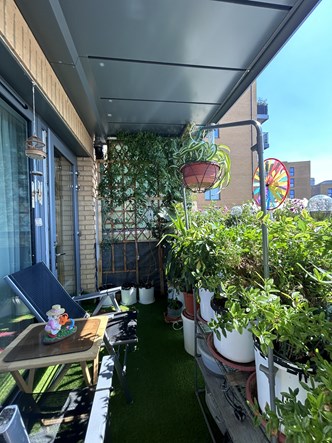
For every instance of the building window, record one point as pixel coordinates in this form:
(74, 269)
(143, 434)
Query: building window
(292, 193)
(291, 182)
(291, 171)
(329, 192)
(212, 194)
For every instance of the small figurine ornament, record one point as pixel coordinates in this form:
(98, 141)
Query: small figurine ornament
(58, 326)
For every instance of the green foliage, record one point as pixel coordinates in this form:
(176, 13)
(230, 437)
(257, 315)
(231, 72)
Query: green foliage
(174, 303)
(290, 312)
(139, 176)
(297, 246)
(311, 421)
(195, 148)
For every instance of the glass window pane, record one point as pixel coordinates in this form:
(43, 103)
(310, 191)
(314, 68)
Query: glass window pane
(15, 216)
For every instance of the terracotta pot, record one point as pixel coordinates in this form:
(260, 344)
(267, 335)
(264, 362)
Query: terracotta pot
(200, 176)
(189, 303)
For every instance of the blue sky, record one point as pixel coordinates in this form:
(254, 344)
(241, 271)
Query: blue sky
(297, 85)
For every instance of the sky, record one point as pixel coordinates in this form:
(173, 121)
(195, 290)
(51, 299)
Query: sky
(297, 85)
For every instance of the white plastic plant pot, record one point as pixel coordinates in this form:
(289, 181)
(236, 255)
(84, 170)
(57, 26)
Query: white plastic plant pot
(188, 333)
(236, 347)
(209, 362)
(12, 429)
(206, 311)
(174, 293)
(146, 295)
(128, 296)
(287, 376)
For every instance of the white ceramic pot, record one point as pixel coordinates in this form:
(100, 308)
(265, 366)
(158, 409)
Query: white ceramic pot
(287, 376)
(235, 346)
(146, 295)
(206, 311)
(128, 296)
(188, 333)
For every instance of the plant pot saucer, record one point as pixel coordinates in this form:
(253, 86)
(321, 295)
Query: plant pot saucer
(251, 396)
(200, 318)
(245, 367)
(170, 319)
(176, 322)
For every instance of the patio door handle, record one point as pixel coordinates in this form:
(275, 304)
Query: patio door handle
(60, 253)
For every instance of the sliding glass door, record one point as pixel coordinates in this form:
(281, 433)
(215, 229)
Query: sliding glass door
(64, 226)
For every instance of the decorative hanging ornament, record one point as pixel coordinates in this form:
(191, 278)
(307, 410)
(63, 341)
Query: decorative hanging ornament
(34, 146)
(320, 207)
(276, 181)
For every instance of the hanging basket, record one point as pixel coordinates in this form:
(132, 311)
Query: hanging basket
(200, 176)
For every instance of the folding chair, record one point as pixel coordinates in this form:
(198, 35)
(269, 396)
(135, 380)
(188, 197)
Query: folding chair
(38, 288)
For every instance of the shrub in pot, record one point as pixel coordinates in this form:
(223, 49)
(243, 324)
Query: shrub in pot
(308, 421)
(293, 329)
(146, 292)
(128, 294)
(174, 307)
(232, 338)
(179, 262)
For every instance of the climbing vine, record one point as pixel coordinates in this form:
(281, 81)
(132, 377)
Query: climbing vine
(138, 180)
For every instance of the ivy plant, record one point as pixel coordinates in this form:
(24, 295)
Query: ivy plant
(139, 176)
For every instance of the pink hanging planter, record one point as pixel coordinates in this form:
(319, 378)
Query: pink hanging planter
(200, 176)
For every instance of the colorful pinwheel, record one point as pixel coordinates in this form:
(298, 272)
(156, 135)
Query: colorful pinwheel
(276, 179)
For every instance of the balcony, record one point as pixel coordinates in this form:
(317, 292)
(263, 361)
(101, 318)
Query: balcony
(262, 111)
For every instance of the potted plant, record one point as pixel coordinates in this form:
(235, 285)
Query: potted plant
(146, 292)
(203, 164)
(179, 260)
(174, 308)
(287, 324)
(308, 421)
(233, 342)
(128, 294)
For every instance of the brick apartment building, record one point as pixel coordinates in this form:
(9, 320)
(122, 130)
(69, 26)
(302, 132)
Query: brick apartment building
(244, 161)
(299, 177)
(324, 187)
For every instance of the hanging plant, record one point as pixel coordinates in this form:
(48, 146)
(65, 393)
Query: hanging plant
(204, 165)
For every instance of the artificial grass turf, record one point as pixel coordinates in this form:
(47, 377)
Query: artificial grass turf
(161, 378)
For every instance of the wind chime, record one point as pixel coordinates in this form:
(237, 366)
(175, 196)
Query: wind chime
(34, 146)
(34, 149)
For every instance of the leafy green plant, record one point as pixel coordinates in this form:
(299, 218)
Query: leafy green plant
(293, 330)
(311, 421)
(174, 303)
(138, 177)
(195, 147)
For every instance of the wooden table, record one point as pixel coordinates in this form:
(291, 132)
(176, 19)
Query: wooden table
(28, 352)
